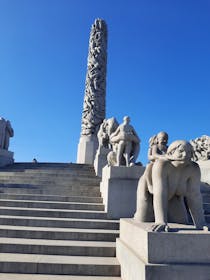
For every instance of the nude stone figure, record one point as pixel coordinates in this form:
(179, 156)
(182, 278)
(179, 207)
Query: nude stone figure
(174, 176)
(128, 143)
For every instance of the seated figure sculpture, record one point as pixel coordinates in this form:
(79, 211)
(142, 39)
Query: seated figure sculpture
(172, 176)
(126, 143)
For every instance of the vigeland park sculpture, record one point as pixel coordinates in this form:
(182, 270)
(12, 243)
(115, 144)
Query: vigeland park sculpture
(95, 93)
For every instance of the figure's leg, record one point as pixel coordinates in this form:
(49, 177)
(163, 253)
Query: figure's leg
(127, 153)
(144, 204)
(120, 149)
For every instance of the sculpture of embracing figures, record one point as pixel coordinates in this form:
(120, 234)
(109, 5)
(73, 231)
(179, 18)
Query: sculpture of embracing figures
(167, 180)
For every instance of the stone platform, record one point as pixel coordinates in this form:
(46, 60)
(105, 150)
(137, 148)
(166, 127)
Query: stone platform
(6, 157)
(182, 253)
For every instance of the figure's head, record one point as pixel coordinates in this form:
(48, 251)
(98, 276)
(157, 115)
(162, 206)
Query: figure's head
(180, 150)
(162, 137)
(126, 119)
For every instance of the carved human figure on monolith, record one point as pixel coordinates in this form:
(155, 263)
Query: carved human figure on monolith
(174, 176)
(127, 142)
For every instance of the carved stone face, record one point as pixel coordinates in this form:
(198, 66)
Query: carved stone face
(180, 150)
(162, 137)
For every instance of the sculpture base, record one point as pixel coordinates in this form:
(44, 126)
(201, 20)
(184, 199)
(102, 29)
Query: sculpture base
(205, 171)
(87, 149)
(118, 188)
(6, 157)
(100, 160)
(180, 254)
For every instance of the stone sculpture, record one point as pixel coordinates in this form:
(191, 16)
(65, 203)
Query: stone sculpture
(106, 129)
(126, 144)
(201, 148)
(6, 131)
(172, 178)
(95, 87)
(158, 146)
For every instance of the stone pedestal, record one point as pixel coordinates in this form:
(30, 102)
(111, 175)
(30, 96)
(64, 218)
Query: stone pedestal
(180, 254)
(100, 160)
(87, 149)
(205, 171)
(118, 188)
(6, 157)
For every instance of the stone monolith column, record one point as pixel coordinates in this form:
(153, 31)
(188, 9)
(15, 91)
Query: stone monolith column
(95, 93)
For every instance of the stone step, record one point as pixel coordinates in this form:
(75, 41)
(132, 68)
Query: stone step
(54, 213)
(58, 233)
(46, 173)
(49, 264)
(61, 188)
(206, 198)
(47, 165)
(30, 189)
(61, 223)
(13, 276)
(49, 181)
(52, 205)
(58, 247)
(51, 198)
(206, 207)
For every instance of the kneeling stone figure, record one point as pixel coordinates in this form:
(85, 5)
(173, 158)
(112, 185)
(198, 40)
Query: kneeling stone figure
(162, 188)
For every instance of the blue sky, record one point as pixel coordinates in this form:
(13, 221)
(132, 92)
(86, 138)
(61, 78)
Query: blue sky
(158, 70)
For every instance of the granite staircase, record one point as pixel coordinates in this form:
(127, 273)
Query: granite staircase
(53, 224)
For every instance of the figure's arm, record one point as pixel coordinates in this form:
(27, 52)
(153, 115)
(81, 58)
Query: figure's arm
(153, 154)
(160, 191)
(115, 132)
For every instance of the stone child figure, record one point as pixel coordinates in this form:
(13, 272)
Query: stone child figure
(128, 143)
(173, 176)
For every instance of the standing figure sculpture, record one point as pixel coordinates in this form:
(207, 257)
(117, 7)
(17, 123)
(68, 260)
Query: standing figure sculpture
(6, 131)
(127, 142)
(172, 177)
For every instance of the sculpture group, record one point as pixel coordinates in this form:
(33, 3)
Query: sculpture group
(122, 140)
(170, 187)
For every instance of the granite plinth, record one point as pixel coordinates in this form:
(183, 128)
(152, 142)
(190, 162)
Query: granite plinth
(205, 171)
(6, 157)
(182, 253)
(87, 149)
(118, 188)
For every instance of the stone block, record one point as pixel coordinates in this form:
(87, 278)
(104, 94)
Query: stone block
(6, 157)
(180, 254)
(87, 149)
(118, 188)
(205, 171)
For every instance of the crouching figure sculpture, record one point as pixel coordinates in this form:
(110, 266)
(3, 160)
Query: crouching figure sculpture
(162, 189)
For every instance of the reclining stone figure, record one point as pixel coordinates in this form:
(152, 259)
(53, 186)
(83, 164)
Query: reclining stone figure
(161, 190)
